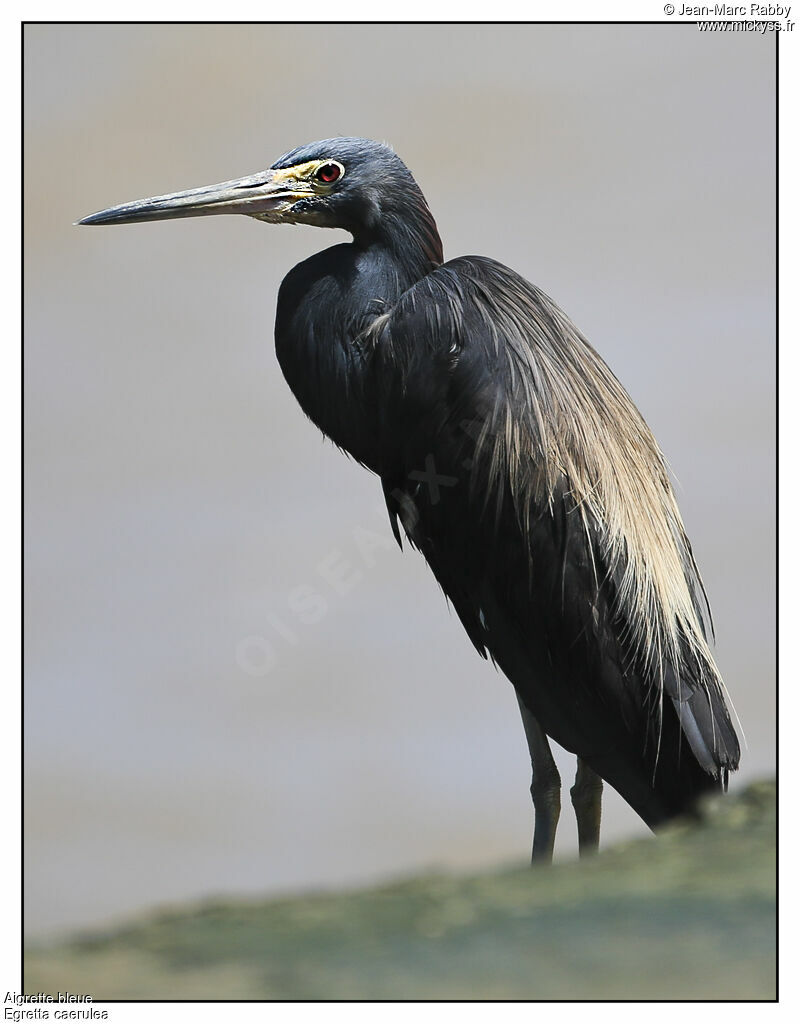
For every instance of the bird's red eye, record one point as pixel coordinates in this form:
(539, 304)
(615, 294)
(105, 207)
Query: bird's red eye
(328, 173)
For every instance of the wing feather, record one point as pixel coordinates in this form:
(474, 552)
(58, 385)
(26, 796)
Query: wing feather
(561, 529)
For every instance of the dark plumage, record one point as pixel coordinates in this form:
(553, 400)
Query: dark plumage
(514, 460)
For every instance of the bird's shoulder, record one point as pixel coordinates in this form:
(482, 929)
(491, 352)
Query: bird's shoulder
(468, 292)
(473, 271)
(487, 322)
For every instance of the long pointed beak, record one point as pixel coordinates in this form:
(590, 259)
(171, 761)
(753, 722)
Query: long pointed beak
(259, 195)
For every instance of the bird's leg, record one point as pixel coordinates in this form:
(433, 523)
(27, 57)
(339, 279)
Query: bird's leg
(587, 795)
(545, 788)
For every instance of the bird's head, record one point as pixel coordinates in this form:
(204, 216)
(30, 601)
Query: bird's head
(340, 183)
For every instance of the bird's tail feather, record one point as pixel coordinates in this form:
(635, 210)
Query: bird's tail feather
(707, 726)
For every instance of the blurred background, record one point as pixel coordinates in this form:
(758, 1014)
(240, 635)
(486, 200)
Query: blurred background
(189, 730)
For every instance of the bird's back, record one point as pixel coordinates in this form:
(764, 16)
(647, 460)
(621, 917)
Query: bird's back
(528, 479)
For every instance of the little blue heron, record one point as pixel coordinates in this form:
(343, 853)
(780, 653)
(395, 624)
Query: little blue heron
(515, 461)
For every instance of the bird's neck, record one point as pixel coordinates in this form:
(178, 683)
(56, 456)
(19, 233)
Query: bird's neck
(407, 242)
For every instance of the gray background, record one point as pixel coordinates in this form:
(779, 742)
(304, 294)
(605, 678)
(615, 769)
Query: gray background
(188, 731)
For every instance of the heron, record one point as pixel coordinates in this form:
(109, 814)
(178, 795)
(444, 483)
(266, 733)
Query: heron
(513, 459)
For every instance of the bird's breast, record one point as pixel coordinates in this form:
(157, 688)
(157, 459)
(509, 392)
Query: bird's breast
(325, 307)
(331, 383)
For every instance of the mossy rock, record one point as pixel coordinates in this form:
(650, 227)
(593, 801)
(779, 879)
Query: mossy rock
(687, 915)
